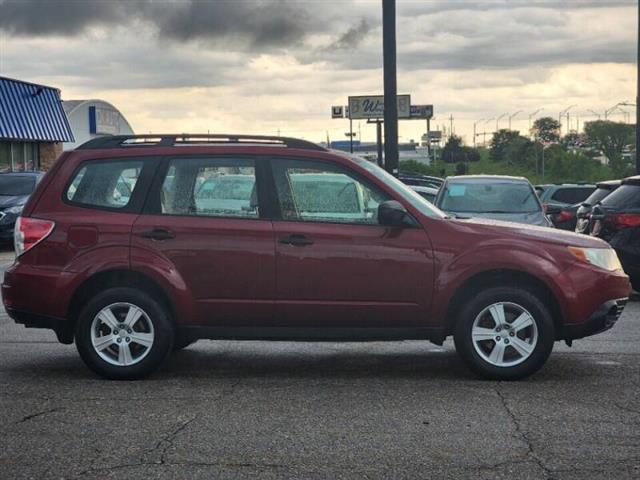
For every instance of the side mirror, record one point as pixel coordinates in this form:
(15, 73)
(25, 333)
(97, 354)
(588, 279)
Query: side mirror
(392, 214)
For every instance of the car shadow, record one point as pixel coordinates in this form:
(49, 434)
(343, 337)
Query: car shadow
(208, 361)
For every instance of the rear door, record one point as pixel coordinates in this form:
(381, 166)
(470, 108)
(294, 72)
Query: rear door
(204, 216)
(336, 266)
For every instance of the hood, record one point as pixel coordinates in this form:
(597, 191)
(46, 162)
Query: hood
(12, 200)
(532, 232)
(529, 218)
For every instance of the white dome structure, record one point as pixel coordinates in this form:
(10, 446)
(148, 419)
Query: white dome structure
(93, 118)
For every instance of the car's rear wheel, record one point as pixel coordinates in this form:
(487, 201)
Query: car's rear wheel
(124, 334)
(504, 333)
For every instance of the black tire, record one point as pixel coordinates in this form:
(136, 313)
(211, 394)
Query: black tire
(162, 338)
(514, 295)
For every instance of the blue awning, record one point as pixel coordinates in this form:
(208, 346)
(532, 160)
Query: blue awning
(32, 112)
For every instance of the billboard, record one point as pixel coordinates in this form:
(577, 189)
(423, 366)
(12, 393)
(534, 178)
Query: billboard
(337, 112)
(372, 106)
(421, 111)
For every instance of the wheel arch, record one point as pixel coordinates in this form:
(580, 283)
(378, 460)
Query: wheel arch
(502, 277)
(117, 278)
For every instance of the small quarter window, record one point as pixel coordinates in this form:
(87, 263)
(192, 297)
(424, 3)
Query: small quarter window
(108, 184)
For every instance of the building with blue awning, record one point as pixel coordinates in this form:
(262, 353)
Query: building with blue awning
(33, 125)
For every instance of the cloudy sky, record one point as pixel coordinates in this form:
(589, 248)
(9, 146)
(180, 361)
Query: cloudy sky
(278, 65)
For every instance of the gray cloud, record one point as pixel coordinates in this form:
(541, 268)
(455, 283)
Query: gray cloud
(256, 25)
(352, 37)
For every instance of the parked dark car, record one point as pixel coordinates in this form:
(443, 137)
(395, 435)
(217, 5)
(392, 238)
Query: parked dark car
(564, 194)
(15, 189)
(616, 219)
(238, 237)
(419, 180)
(583, 213)
(499, 197)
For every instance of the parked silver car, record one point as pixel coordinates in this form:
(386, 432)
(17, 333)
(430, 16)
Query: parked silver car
(511, 199)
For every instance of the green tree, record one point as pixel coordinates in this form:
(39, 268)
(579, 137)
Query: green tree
(611, 138)
(546, 130)
(452, 151)
(509, 146)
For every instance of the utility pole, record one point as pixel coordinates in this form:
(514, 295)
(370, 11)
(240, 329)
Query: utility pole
(390, 86)
(451, 125)
(474, 131)
(638, 97)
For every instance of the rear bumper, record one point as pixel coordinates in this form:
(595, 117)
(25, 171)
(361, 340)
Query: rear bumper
(603, 318)
(60, 326)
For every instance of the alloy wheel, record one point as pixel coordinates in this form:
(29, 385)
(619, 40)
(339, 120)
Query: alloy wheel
(504, 334)
(122, 334)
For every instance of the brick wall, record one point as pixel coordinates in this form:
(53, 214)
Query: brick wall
(49, 153)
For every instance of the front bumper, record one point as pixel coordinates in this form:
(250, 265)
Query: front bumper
(604, 318)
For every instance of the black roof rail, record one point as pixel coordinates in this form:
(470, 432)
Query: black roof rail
(185, 139)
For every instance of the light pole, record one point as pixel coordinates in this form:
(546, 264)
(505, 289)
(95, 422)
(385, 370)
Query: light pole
(531, 115)
(609, 111)
(500, 118)
(390, 86)
(511, 117)
(566, 110)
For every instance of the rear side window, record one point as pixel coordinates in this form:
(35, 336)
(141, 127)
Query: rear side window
(625, 198)
(107, 184)
(572, 195)
(216, 187)
(597, 196)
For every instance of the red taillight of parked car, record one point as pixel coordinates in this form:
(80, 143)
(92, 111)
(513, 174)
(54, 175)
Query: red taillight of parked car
(564, 216)
(29, 232)
(624, 220)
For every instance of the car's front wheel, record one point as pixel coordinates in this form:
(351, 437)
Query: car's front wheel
(124, 334)
(504, 333)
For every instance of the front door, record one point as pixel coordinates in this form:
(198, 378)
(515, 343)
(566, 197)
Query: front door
(207, 223)
(335, 265)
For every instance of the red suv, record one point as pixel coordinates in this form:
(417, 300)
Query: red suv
(136, 246)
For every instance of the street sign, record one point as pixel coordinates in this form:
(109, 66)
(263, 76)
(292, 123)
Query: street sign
(421, 111)
(337, 112)
(372, 106)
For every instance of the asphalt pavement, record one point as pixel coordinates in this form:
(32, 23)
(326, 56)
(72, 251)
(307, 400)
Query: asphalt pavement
(228, 410)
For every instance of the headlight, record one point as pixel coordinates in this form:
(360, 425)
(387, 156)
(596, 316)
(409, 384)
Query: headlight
(16, 210)
(605, 258)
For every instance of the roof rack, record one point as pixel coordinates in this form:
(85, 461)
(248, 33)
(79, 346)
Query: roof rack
(188, 139)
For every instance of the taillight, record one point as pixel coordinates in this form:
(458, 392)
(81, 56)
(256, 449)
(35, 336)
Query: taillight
(624, 220)
(564, 216)
(29, 232)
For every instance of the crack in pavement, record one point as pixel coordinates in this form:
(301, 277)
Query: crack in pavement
(26, 418)
(523, 435)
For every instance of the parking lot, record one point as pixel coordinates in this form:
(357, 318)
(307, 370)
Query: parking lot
(320, 410)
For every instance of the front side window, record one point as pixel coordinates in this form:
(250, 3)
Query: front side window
(317, 192)
(220, 187)
(108, 184)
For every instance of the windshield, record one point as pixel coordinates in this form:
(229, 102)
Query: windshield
(489, 196)
(13, 186)
(419, 203)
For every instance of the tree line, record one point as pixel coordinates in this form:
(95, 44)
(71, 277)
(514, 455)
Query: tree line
(545, 155)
